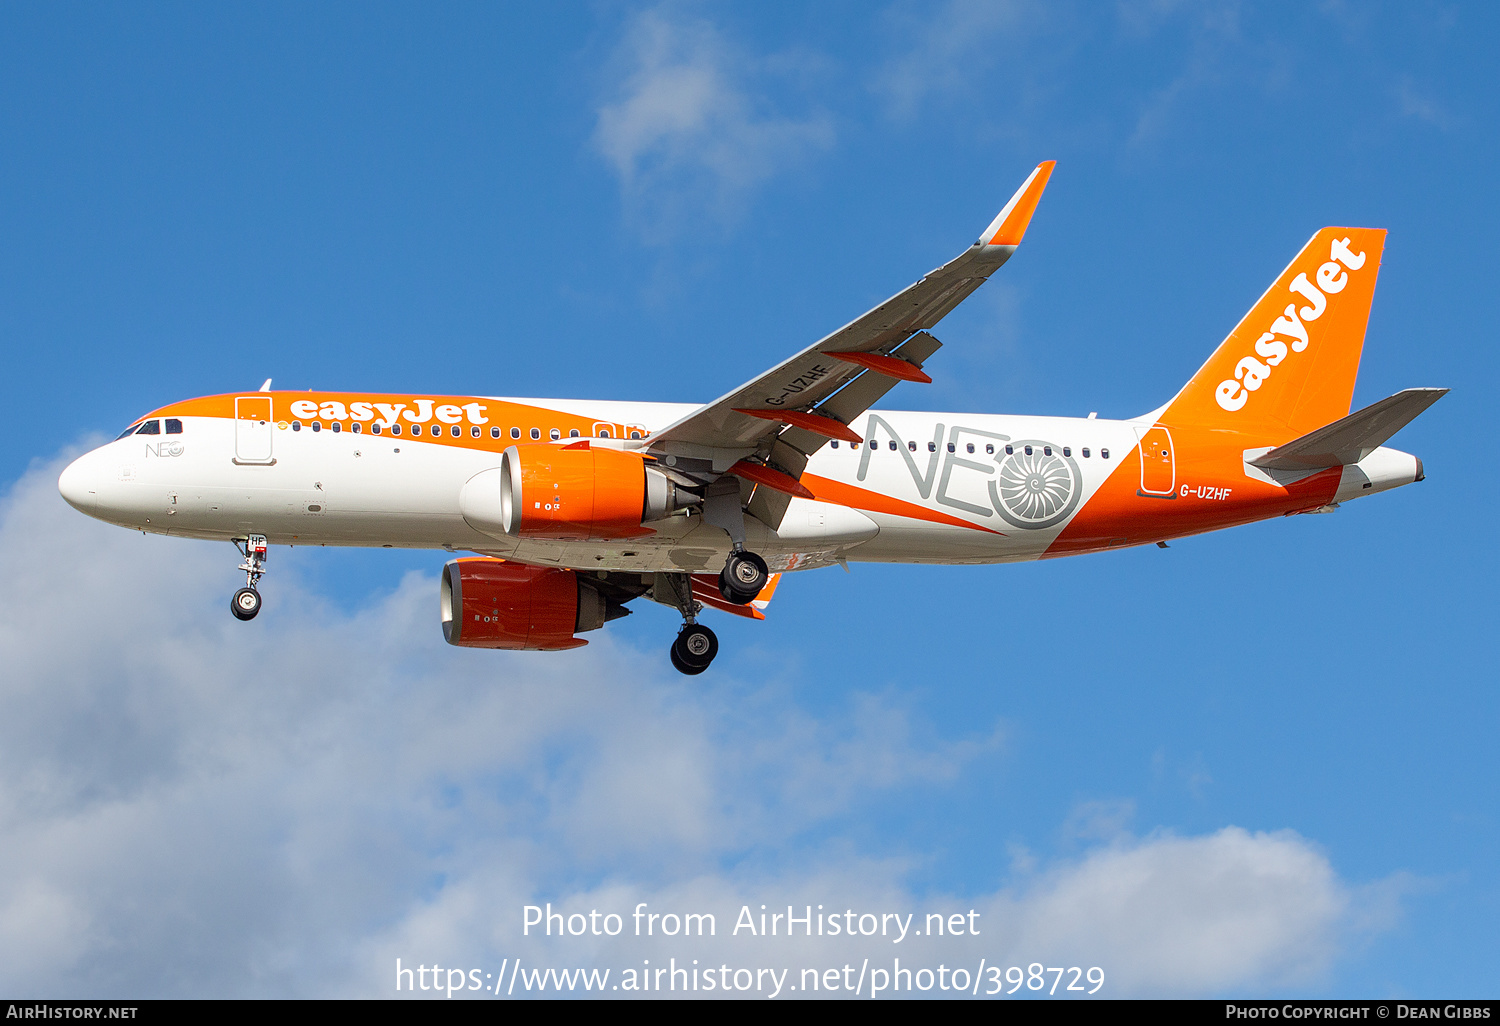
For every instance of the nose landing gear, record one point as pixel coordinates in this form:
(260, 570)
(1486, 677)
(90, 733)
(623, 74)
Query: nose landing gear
(246, 602)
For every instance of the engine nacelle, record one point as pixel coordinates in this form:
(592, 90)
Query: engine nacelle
(492, 603)
(572, 492)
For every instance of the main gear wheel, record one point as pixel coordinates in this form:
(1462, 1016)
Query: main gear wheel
(694, 649)
(744, 576)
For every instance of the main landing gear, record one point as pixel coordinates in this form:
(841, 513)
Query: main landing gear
(246, 601)
(696, 645)
(744, 573)
(694, 649)
(744, 576)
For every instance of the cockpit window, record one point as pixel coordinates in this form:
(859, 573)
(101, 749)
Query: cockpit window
(151, 427)
(174, 426)
(126, 433)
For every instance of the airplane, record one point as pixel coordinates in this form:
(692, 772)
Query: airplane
(573, 508)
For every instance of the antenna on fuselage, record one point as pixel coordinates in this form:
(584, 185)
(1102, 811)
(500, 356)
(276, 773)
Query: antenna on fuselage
(265, 387)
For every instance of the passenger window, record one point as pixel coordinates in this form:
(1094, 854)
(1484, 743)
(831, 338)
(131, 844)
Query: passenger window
(297, 425)
(514, 432)
(374, 428)
(874, 444)
(952, 447)
(355, 427)
(554, 434)
(605, 434)
(912, 446)
(932, 447)
(573, 433)
(989, 450)
(893, 445)
(1027, 450)
(1010, 450)
(1046, 450)
(317, 426)
(969, 447)
(1104, 454)
(174, 426)
(1085, 452)
(834, 443)
(151, 427)
(1067, 451)
(336, 427)
(536, 433)
(635, 434)
(456, 431)
(474, 432)
(395, 429)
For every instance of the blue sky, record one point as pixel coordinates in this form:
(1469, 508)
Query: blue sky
(1261, 761)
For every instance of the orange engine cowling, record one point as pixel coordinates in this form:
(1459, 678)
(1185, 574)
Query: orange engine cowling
(579, 492)
(492, 603)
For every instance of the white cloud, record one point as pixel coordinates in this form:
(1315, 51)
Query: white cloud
(690, 123)
(1415, 102)
(1174, 915)
(945, 50)
(1213, 54)
(195, 806)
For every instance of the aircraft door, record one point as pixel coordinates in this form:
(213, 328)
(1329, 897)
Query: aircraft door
(252, 429)
(1158, 464)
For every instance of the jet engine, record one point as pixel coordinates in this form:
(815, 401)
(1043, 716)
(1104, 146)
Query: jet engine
(492, 603)
(572, 492)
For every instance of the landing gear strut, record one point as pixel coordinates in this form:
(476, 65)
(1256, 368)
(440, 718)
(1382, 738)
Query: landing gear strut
(246, 601)
(744, 573)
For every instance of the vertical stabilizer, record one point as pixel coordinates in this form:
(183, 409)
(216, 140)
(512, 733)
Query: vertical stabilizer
(1290, 364)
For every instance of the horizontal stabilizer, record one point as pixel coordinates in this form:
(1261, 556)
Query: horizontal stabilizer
(1350, 439)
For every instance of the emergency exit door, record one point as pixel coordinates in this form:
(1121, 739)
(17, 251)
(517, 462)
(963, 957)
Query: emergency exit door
(252, 429)
(1158, 466)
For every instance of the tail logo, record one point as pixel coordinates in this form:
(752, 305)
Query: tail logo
(1290, 328)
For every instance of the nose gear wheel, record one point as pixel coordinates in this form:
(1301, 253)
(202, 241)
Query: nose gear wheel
(245, 604)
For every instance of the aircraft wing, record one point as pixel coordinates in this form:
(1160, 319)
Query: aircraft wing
(788, 413)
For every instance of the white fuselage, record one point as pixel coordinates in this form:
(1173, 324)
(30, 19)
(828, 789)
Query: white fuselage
(327, 488)
(926, 481)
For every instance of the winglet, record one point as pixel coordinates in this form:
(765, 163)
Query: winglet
(1009, 226)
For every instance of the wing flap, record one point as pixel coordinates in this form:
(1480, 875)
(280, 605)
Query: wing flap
(706, 590)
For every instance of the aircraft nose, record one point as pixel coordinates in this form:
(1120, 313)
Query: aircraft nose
(77, 484)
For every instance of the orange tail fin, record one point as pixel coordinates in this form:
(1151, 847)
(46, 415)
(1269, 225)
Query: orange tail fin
(1290, 365)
